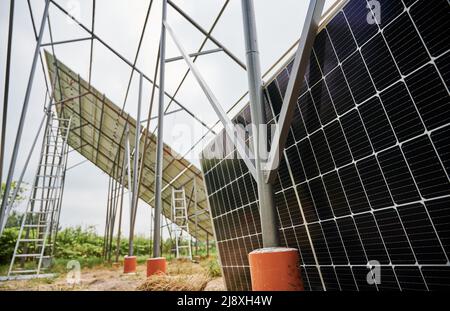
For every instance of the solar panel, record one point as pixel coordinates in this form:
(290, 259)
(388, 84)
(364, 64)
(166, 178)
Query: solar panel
(365, 174)
(98, 134)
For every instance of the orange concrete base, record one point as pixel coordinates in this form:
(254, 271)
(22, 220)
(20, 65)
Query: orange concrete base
(156, 266)
(275, 269)
(129, 264)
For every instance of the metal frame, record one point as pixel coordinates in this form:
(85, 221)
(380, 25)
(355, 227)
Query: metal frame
(265, 192)
(23, 114)
(6, 94)
(160, 144)
(293, 90)
(230, 129)
(252, 161)
(173, 59)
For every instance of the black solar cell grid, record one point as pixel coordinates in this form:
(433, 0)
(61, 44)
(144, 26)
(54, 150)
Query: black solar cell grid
(367, 164)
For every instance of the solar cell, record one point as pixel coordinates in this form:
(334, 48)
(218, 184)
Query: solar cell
(366, 174)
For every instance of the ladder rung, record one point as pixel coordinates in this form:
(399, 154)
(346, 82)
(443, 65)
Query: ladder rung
(35, 226)
(46, 187)
(31, 240)
(23, 271)
(28, 255)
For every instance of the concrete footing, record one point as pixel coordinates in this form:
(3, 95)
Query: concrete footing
(275, 269)
(156, 266)
(129, 264)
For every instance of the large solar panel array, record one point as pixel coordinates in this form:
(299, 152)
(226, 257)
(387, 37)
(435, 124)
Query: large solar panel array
(98, 134)
(365, 174)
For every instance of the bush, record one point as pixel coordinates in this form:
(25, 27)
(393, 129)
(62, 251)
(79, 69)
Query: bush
(85, 245)
(8, 242)
(214, 269)
(79, 243)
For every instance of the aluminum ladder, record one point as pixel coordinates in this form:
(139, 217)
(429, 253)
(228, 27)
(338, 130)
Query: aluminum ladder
(35, 243)
(180, 224)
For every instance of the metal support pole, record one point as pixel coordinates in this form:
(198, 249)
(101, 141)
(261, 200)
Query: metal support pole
(122, 190)
(105, 235)
(136, 160)
(196, 215)
(22, 174)
(6, 91)
(24, 112)
(265, 191)
(160, 143)
(207, 245)
(127, 154)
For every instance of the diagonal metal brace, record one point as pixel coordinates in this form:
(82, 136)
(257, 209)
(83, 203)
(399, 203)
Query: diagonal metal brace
(302, 56)
(230, 128)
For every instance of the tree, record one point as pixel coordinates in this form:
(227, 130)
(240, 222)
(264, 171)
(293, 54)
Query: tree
(14, 217)
(20, 193)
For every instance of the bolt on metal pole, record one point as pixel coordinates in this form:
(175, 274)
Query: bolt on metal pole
(24, 111)
(160, 143)
(265, 193)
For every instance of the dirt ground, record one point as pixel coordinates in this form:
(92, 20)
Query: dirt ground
(108, 279)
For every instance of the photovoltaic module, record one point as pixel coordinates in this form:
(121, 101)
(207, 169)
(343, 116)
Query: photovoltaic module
(365, 172)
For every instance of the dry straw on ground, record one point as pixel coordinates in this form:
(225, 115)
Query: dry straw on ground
(195, 282)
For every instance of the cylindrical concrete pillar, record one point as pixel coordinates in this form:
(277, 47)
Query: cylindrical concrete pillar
(275, 269)
(129, 264)
(156, 266)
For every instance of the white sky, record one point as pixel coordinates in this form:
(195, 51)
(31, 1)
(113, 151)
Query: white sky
(119, 23)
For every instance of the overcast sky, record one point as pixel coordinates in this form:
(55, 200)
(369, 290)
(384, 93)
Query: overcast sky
(119, 23)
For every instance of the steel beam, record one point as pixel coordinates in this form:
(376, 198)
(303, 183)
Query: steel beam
(204, 32)
(205, 40)
(267, 211)
(23, 115)
(230, 129)
(166, 114)
(136, 157)
(6, 90)
(127, 154)
(122, 190)
(173, 59)
(121, 57)
(72, 98)
(22, 174)
(293, 90)
(160, 137)
(91, 53)
(65, 41)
